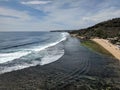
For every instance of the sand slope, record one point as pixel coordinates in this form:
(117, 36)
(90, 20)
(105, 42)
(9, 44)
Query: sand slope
(113, 49)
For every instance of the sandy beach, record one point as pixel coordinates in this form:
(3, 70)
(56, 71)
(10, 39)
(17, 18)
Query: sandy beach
(113, 49)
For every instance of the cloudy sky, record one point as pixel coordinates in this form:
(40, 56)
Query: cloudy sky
(44, 15)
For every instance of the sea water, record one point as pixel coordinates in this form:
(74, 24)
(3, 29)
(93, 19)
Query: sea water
(20, 50)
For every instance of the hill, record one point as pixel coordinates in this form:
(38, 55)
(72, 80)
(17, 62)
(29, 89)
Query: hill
(106, 29)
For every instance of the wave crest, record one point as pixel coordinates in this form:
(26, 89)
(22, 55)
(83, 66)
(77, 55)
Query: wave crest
(32, 56)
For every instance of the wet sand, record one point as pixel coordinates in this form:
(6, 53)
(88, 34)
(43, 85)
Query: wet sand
(113, 49)
(78, 69)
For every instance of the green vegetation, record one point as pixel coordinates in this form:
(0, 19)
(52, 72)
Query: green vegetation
(96, 47)
(106, 29)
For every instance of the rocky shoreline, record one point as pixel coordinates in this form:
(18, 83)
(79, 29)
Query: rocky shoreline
(78, 69)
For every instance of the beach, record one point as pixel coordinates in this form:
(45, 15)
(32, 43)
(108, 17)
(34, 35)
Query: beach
(78, 69)
(113, 49)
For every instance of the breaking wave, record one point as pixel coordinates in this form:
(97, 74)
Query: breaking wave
(35, 55)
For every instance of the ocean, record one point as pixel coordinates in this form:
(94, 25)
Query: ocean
(20, 50)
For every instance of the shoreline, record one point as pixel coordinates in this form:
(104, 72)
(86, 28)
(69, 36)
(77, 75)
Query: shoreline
(92, 45)
(78, 69)
(113, 49)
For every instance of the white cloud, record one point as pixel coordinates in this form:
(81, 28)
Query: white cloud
(36, 2)
(21, 15)
(66, 18)
(9, 23)
(59, 15)
(103, 15)
(79, 17)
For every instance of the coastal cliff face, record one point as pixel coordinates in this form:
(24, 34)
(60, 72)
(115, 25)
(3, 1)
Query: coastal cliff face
(106, 29)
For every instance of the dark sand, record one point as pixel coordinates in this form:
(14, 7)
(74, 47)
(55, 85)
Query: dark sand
(78, 69)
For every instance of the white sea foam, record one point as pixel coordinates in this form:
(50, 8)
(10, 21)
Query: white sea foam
(9, 69)
(46, 59)
(5, 57)
(63, 38)
(46, 56)
(52, 57)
